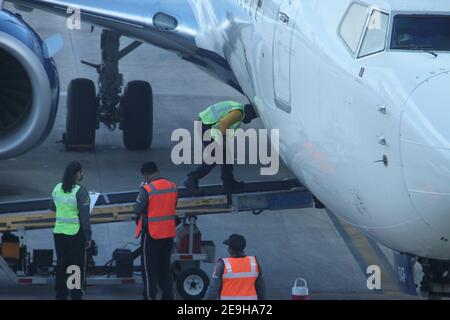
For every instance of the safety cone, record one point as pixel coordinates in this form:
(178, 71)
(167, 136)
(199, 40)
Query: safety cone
(300, 292)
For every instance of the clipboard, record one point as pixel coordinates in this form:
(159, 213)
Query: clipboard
(94, 197)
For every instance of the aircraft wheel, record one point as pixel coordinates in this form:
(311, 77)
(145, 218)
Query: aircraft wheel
(137, 115)
(192, 284)
(81, 121)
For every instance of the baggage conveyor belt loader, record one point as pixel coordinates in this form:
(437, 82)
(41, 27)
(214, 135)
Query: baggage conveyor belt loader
(189, 251)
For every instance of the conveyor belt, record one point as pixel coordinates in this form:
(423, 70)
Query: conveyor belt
(118, 207)
(130, 196)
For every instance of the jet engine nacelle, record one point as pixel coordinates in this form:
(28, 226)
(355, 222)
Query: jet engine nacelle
(29, 87)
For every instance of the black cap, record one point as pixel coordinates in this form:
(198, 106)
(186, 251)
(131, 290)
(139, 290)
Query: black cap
(149, 168)
(236, 242)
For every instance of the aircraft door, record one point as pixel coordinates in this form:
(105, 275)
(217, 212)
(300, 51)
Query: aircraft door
(282, 54)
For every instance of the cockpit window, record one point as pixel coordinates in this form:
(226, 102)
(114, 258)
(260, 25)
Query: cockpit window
(376, 33)
(421, 32)
(352, 26)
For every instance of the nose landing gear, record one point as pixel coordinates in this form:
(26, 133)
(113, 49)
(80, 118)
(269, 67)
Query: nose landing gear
(131, 111)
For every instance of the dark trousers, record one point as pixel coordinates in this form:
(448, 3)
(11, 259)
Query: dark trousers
(70, 250)
(204, 169)
(155, 264)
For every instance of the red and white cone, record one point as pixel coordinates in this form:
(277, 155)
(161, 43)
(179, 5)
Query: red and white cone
(300, 292)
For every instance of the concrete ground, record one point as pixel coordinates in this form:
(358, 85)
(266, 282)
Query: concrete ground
(289, 244)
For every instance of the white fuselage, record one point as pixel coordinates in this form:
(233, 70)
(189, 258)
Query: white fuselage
(334, 132)
(363, 124)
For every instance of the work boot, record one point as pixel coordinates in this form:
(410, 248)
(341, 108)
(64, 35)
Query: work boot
(233, 185)
(191, 183)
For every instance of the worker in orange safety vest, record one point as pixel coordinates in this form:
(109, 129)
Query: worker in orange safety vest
(238, 277)
(155, 210)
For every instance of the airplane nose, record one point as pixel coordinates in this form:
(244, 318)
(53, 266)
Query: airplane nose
(425, 152)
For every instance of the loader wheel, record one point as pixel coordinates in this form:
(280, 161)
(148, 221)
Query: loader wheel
(137, 115)
(81, 121)
(192, 284)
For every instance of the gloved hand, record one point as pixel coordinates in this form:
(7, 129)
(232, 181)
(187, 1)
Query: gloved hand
(137, 218)
(217, 136)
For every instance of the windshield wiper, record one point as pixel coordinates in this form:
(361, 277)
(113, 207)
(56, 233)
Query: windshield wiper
(412, 46)
(424, 49)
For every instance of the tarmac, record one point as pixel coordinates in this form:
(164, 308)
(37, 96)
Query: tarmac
(289, 244)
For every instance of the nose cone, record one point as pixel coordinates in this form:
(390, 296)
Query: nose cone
(425, 152)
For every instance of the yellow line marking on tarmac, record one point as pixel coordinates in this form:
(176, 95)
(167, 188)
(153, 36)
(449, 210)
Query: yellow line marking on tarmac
(369, 256)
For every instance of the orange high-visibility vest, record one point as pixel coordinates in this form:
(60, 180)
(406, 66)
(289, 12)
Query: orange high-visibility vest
(161, 209)
(239, 278)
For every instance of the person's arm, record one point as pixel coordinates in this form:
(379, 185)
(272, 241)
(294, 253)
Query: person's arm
(215, 286)
(83, 202)
(232, 118)
(141, 203)
(260, 285)
(52, 206)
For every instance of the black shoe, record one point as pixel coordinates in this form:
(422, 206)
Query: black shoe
(233, 185)
(191, 183)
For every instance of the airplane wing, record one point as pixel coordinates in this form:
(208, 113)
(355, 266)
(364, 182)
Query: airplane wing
(175, 25)
(169, 24)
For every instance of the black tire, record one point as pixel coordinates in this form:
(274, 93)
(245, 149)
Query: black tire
(192, 284)
(137, 115)
(81, 121)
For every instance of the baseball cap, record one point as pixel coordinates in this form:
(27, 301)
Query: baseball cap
(236, 242)
(149, 168)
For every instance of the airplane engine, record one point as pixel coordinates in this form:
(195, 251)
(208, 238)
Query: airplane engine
(29, 87)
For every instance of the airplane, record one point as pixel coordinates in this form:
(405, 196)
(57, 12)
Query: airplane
(358, 90)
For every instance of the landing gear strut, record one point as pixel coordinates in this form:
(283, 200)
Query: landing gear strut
(132, 110)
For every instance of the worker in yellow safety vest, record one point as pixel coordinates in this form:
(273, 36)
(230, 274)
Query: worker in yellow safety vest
(72, 231)
(238, 277)
(220, 117)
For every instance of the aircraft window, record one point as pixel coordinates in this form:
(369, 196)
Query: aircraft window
(353, 24)
(375, 38)
(421, 32)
